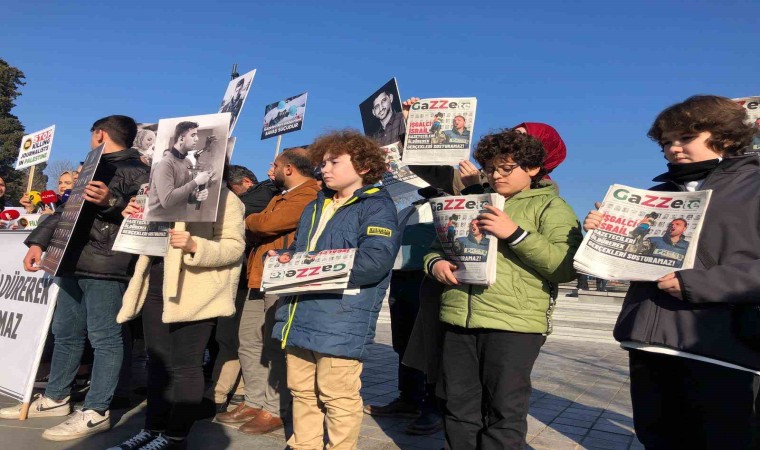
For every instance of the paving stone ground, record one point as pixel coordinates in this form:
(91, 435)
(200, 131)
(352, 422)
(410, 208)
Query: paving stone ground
(580, 400)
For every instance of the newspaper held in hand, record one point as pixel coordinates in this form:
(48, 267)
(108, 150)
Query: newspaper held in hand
(439, 131)
(473, 250)
(752, 105)
(399, 181)
(644, 235)
(325, 271)
(140, 237)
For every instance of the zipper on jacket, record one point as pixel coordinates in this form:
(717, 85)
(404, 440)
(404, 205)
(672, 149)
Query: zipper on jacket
(469, 306)
(553, 293)
(291, 315)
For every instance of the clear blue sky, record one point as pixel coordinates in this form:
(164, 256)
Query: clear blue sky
(597, 71)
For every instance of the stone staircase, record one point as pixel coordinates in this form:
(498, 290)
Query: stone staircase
(587, 315)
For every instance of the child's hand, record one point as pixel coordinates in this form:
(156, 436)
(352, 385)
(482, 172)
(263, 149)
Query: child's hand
(497, 222)
(593, 218)
(442, 271)
(132, 207)
(468, 173)
(671, 284)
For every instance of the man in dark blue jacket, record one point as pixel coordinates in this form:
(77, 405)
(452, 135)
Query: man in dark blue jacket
(325, 335)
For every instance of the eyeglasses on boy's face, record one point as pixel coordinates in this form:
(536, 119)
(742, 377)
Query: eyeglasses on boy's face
(503, 170)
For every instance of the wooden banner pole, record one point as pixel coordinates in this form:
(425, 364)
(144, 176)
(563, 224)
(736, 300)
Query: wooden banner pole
(31, 179)
(24, 408)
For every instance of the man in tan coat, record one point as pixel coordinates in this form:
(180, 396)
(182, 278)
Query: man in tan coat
(267, 398)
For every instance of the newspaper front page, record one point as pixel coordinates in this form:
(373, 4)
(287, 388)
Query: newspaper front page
(140, 237)
(752, 105)
(439, 131)
(473, 250)
(400, 182)
(644, 235)
(325, 271)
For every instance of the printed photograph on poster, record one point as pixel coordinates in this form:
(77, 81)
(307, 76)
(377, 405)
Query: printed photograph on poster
(235, 95)
(186, 175)
(53, 260)
(752, 105)
(400, 182)
(439, 131)
(284, 116)
(145, 141)
(381, 115)
(35, 148)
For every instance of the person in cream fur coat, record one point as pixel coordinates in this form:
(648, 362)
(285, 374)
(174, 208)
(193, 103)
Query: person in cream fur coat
(180, 297)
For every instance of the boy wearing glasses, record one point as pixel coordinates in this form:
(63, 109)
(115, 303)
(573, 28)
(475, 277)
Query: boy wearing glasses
(494, 333)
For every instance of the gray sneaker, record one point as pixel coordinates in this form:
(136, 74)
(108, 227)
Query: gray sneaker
(41, 407)
(79, 424)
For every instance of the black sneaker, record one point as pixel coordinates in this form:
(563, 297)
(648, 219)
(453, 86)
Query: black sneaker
(396, 408)
(427, 423)
(164, 443)
(137, 441)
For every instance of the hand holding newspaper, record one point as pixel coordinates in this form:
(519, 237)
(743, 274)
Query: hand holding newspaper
(473, 250)
(325, 271)
(644, 235)
(139, 236)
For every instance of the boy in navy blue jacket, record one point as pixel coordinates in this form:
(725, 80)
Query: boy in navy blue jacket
(326, 334)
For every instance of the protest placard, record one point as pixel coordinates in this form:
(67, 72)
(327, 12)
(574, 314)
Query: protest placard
(381, 115)
(186, 174)
(752, 105)
(27, 301)
(235, 95)
(55, 255)
(439, 131)
(140, 237)
(35, 148)
(284, 116)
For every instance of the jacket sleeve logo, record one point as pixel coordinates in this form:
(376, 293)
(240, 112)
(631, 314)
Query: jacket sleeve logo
(379, 231)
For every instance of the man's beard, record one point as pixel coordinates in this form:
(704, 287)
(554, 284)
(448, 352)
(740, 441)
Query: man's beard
(278, 183)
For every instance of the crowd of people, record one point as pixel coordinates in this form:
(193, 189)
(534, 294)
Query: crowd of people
(466, 352)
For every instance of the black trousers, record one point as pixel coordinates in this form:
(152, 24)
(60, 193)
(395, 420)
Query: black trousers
(684, 403)
(404, 302)
(175, 369)
(486, 377)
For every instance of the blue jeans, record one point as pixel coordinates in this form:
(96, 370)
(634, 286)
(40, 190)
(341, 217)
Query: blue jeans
(86, 309)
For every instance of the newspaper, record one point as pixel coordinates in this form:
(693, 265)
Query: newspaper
(439, 131)
(473, 250)
(138, 236)
(752, 105)
(644, 235)
(399, 181)
(325, 271)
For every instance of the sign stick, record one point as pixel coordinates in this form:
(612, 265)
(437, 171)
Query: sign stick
(277, 150)
(24, 408)
(30, 179)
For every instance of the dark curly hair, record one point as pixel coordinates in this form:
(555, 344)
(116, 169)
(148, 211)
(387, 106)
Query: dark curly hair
(722, 117)
(364, 152)
(524, 150)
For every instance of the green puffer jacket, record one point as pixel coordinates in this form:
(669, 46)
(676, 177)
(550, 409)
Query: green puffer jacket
(522, 298)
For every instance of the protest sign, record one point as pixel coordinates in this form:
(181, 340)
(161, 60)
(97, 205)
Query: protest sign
(439, 131)
(55, 255)
(27, 301)
(16, 218)
(138, 236)
(284, 116)
(235, 95)
(35, 148)
(325, 271)
(185, 180)
(752, 105)
(381, 115)
(399, 181)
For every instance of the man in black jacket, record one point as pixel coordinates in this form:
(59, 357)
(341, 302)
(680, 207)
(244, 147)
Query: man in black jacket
(91, 286)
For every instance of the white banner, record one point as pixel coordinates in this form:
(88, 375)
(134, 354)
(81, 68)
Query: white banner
(35, 148)
(27, 301)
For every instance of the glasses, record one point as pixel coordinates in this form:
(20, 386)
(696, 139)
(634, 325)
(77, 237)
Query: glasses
(504, 171)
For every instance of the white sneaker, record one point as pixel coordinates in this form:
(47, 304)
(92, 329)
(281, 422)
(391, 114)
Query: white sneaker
(79, 424)
(137, 441)
(41, 407)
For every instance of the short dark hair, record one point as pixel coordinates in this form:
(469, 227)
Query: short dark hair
(722, 117)
(121, 129)
(523, 149)
(365, 153)
(298, 158)
(237, 173)
(182, 127)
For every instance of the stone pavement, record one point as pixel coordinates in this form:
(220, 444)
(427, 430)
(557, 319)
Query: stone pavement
(580, 400)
